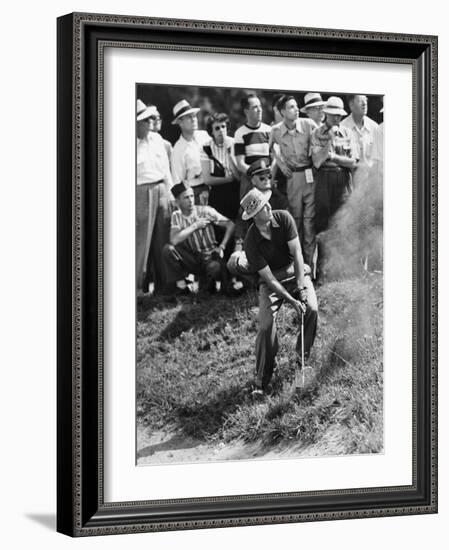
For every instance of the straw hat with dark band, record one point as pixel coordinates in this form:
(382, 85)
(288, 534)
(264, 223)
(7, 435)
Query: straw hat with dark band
(312, 99)
(183, 108)
(334, 106)
(253, 202)
(144, 112)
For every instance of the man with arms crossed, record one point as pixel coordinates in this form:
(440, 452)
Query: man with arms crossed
(273, 251)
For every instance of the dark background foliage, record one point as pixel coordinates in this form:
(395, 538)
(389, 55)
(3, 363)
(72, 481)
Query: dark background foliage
(227, 100)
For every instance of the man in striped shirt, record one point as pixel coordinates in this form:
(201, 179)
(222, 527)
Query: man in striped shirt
(193, 247)
(250, 140)
(251, 143)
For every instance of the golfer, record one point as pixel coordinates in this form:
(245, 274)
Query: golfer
(273, 250)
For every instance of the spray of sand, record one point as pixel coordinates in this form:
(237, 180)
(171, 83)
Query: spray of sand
(353, 244)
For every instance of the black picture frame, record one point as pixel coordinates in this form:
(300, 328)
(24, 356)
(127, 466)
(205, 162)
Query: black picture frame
(81, 510)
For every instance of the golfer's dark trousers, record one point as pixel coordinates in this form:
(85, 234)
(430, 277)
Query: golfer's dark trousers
(267, 344)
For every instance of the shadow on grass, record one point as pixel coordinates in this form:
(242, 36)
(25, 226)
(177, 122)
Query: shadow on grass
(205, 311)
(206, 419)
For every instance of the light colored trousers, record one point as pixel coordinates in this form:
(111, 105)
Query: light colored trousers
(152, 223)
(301, 205)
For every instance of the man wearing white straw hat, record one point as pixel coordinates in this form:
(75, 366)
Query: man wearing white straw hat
(273, 251)
(333, 155)
(186, 155)
(363, 130)
(153, 184)
(313, 107)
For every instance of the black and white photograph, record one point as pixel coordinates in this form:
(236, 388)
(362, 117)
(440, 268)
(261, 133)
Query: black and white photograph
(259, 274)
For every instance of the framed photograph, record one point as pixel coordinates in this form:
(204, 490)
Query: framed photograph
(247, 274)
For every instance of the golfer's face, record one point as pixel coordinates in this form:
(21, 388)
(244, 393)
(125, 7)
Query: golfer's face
(265, 214)
(262, 181)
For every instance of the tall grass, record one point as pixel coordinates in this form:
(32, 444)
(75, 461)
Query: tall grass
(196, 361)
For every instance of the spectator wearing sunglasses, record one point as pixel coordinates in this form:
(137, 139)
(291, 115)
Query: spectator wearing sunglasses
(157, 127)
(260, 175)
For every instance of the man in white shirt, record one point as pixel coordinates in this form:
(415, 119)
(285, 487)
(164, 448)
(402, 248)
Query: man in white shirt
(363, 129)
(152, 190)
(186, 155)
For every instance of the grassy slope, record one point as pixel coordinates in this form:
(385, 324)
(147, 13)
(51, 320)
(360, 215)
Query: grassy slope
(196, 364)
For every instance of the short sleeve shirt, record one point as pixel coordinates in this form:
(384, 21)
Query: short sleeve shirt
(202, 240)
(186, 159)
(253, 143)
(294, 144)
(274, 252)
(342, 144)
(363, 137)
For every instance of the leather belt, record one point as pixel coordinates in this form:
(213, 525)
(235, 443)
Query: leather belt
(300, 168)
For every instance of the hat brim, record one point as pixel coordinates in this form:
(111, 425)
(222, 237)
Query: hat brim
(149, 111)
(266, 198)
(307, 107)
(191, 111)
(335, 111)
(262, 171)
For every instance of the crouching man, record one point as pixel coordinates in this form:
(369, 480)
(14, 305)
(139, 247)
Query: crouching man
(273, 251)
(193, 247)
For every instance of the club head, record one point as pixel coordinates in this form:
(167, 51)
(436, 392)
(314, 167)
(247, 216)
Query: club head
(303, 378)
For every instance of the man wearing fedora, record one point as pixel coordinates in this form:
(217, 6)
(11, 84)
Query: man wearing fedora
(273, 251)
(152, 209)
(334, 157)
(293, 137)
(186, 155)
(313, 107)
(363, 129)
(193, 247)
